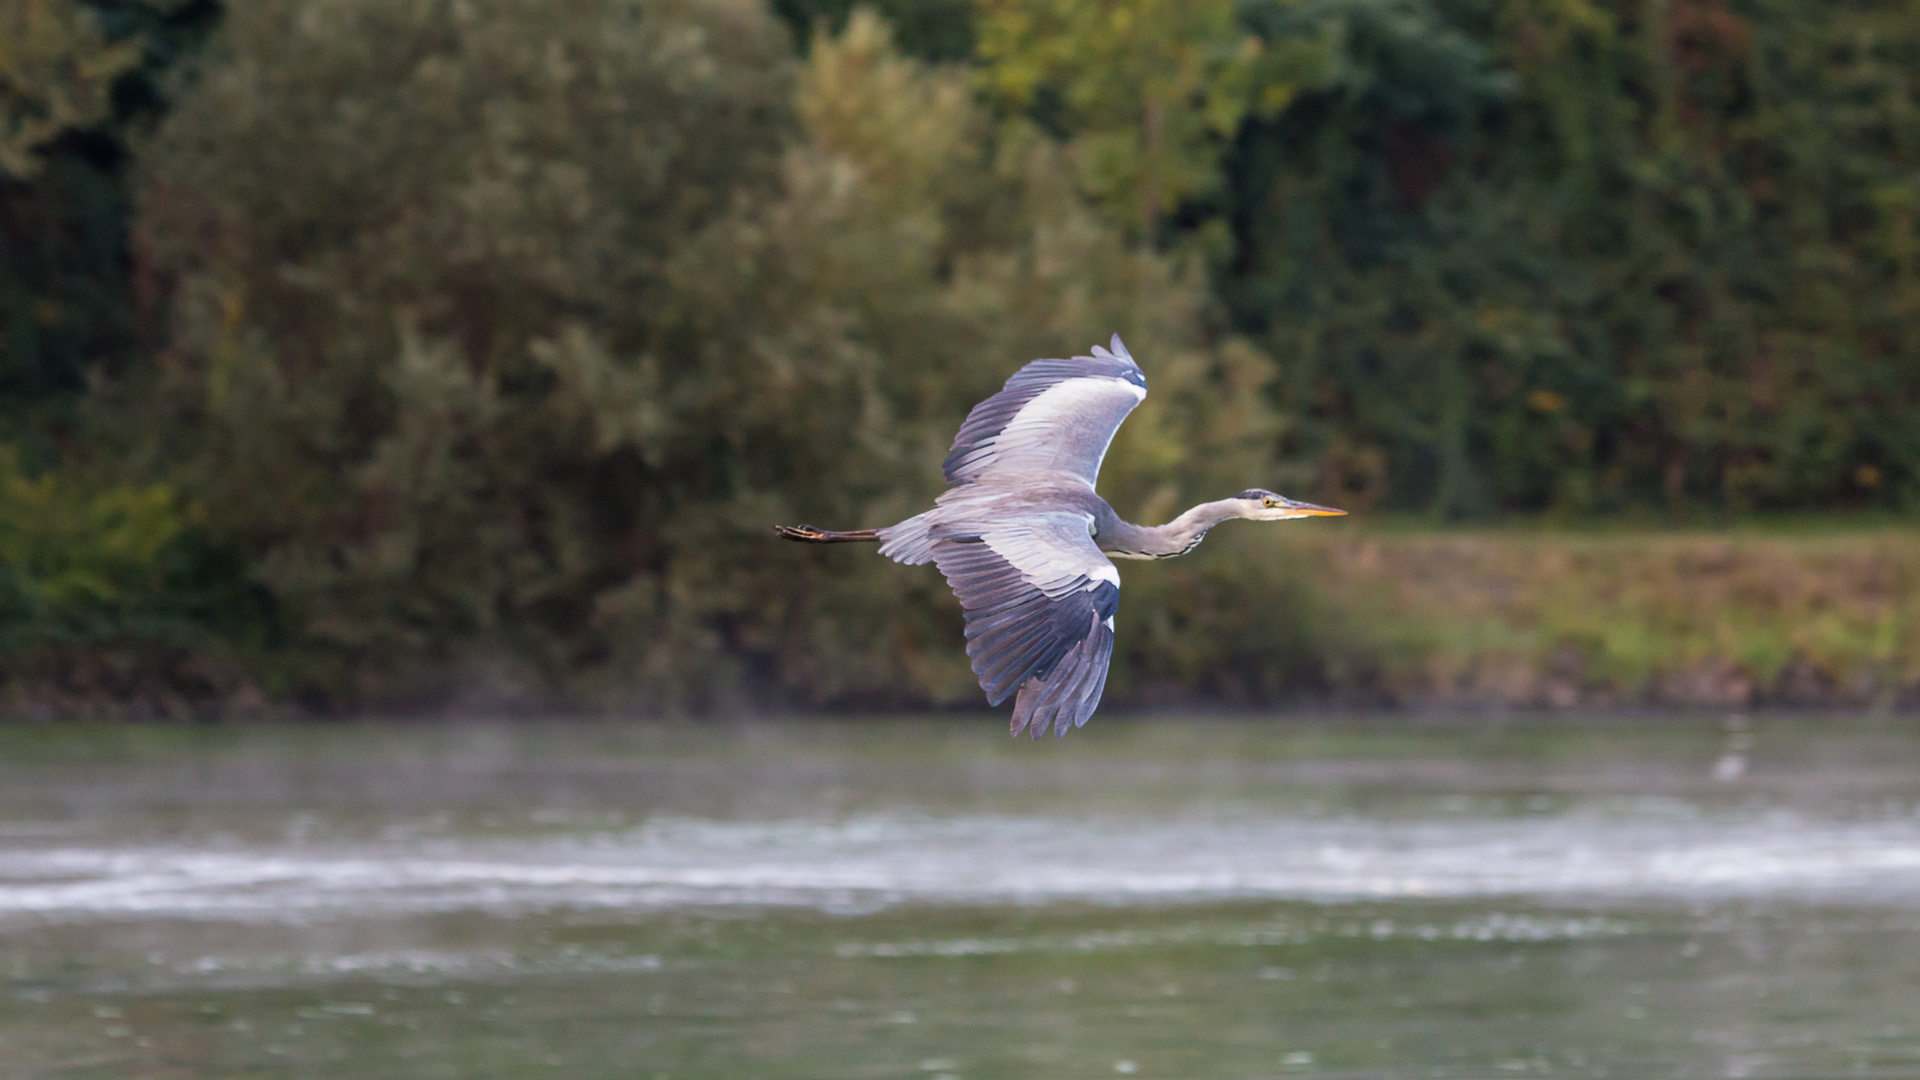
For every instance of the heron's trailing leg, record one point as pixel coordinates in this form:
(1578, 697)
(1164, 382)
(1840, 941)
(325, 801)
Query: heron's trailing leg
(807, 534)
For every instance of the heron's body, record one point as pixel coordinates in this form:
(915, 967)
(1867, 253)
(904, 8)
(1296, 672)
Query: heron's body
(1021, 494)
(1024, 539)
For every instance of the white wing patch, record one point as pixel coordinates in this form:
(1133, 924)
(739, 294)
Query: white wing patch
(1052, 552)
(1052, 415)
(1068, 428)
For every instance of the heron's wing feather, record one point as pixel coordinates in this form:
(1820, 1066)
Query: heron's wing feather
(1057, 415)
(1039, 598)
(1067, 697)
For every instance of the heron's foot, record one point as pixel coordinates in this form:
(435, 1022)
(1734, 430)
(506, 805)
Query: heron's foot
(807, 534)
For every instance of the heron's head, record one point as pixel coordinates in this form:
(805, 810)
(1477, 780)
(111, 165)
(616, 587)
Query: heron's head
(1260, 504)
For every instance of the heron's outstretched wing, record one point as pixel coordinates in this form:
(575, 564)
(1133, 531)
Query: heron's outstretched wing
(1057, 415)
(1039, 598)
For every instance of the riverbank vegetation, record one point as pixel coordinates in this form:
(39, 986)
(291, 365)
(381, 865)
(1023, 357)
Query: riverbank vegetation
(444, 355)
(1538, 619)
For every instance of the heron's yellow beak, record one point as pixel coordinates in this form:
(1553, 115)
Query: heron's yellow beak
(1310, 510)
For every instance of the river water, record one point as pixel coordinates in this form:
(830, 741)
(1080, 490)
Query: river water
(1380, 897)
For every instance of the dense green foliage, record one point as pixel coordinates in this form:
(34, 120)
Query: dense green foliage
(1583, 256)
(437, 351)
(75, 80)
(1521, 255)
(502, 387)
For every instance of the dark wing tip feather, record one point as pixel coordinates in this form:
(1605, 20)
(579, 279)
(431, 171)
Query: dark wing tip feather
(1115, 350)
(1066, 697)
(1020, 638)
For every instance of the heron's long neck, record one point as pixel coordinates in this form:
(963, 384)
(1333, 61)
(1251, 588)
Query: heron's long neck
(1176, 537)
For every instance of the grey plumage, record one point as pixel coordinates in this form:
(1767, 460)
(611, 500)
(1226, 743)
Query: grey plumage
(1023, 538)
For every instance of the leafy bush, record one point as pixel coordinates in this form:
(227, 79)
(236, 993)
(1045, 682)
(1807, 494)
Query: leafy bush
(82, 565)
(114, 603)
(502, 334)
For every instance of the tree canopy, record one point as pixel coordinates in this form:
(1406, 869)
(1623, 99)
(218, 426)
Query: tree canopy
(438, 348)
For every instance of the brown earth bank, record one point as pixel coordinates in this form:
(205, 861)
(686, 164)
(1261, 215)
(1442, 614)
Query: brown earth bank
(128, 683)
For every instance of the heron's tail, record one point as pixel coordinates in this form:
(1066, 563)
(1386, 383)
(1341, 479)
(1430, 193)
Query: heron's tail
(807, 534)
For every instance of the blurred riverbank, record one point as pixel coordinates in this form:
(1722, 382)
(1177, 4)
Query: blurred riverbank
(1294, 617)
(1540, 619)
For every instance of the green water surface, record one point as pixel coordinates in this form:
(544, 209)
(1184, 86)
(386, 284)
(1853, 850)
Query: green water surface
(1702, 978)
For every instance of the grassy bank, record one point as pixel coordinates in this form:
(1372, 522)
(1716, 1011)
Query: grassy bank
(1552, 619)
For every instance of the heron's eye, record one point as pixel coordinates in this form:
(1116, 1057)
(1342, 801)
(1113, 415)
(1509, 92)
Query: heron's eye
(1269, 502)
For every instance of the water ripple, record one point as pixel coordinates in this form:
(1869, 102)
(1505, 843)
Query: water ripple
(866, 862)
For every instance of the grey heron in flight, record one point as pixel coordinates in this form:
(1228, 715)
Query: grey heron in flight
(1023, 539)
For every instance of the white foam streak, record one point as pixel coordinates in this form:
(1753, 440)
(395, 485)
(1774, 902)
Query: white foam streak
(878, 860)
